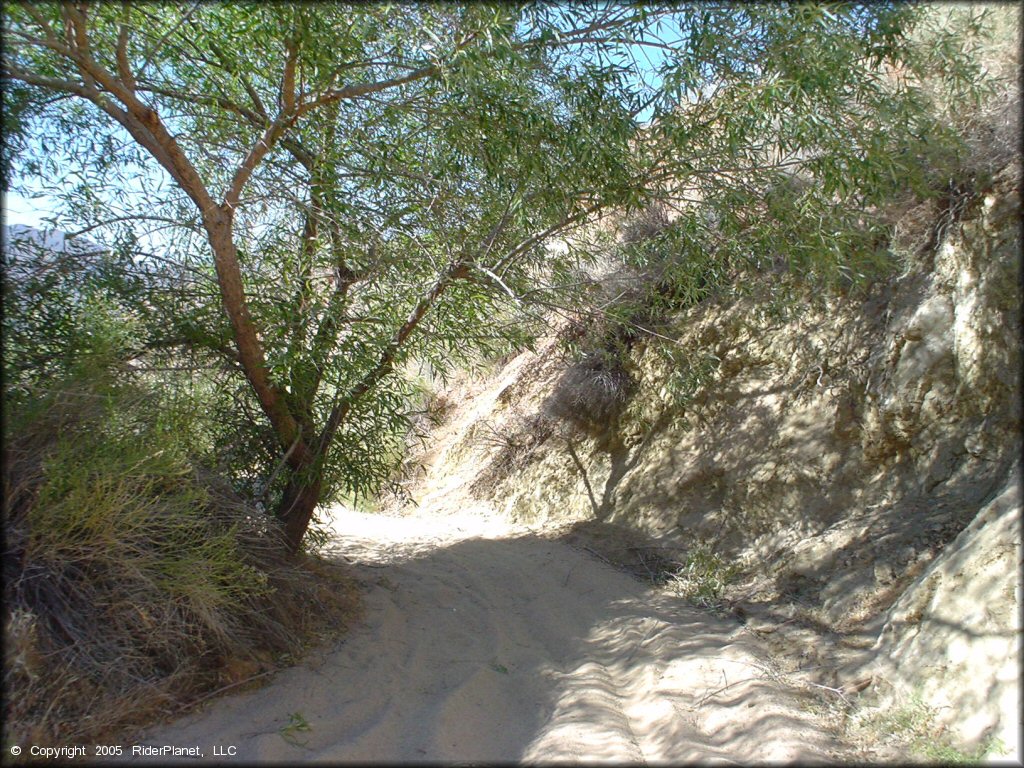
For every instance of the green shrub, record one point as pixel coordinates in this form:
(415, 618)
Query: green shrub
(132, 576)
(703, 576)
(911, 727)
(689, 373)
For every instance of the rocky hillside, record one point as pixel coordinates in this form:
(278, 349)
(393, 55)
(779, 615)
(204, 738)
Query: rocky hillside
(840, 472)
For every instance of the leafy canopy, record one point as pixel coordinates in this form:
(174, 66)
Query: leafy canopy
(315, 195)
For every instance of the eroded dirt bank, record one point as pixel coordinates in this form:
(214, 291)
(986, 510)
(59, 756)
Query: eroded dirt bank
(485, 641)
(841, 470)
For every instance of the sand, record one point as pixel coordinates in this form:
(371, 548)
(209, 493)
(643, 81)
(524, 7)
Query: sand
(485, 641)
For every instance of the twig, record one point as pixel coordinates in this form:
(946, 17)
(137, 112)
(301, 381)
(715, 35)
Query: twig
(725, 687)
(643, 562)
(599, 556)
(567, 575)
(838, 691)
(643, 642)
(211, 694)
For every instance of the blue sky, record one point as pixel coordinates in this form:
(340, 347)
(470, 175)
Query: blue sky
(19, 210)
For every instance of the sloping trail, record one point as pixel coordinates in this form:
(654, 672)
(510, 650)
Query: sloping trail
(487, 642)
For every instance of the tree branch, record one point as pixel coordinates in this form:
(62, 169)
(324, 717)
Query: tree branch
(51, 83)
(455, 270)
(145, 125)
(256, 101)
(164, 38)
(52, 44)
(204, 100)
(529, 242)
(135, 217)
(265, 143)
(274, 131)
(354, 91)
(122, 52)
(287, 105)
(42, 22)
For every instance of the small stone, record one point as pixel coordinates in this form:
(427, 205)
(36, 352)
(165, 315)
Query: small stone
(883, 573)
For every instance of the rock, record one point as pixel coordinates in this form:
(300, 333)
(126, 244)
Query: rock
(954, 636)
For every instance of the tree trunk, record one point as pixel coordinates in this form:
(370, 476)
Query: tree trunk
(301, 495)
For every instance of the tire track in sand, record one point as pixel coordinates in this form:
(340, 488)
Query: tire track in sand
(485, 642)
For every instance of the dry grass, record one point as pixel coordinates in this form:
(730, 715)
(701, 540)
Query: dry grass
(592, 392)
(512, 444)
(136, 584)
(908, 730)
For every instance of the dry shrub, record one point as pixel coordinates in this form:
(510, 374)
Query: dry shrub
(992, 131)
(134, 582)
(993, 135)
(592, 392)
(990, 128)
(645, 224)
(515, 442)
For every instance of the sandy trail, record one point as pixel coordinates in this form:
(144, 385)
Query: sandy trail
(487, 642)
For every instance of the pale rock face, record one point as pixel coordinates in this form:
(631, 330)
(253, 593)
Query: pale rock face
(928, 342)
(954, 634)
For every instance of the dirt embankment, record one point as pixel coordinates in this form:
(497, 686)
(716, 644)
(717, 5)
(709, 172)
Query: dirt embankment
(850, 469)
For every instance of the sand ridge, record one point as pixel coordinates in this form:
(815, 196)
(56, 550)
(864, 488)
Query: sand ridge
(485, 641)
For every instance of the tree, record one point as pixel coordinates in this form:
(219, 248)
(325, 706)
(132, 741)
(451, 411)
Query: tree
(370, 184)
